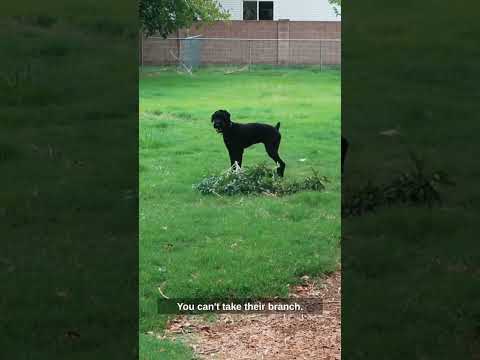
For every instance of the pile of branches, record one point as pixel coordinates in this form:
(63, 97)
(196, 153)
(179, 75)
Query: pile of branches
(415, 187)
(257, 180)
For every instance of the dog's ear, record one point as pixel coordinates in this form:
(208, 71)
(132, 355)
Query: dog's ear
(226, 115)
(217, 114)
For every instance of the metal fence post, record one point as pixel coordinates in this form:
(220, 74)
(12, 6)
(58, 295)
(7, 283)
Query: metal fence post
(290, 48)
(321, 56)
(250, 55)
(141, 50)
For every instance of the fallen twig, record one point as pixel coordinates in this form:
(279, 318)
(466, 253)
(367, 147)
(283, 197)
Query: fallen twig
(162, 294)
(237, 70)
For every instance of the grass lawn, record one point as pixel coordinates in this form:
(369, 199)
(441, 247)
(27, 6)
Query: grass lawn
(203, 246)
(410, 288)
(67, 215)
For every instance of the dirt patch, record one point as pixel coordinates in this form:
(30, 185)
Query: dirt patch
(272, 336)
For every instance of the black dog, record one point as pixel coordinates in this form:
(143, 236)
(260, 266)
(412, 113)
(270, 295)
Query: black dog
(238, 137)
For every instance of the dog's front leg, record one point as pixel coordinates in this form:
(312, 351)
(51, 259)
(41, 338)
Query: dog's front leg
(236, 155)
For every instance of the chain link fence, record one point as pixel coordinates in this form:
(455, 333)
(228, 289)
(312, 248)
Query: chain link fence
(193, 52)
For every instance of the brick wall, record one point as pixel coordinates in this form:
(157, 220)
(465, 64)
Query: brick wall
(271, 42)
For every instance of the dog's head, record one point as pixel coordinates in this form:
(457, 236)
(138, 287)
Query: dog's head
(221, 120)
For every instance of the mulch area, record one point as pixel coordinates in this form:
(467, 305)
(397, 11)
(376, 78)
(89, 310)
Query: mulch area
(269, 336)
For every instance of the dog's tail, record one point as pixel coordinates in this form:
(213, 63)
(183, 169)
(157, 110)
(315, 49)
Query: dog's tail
(277, 126)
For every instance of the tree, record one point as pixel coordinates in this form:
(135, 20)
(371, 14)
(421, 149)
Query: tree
(337, 5)
(166, 16)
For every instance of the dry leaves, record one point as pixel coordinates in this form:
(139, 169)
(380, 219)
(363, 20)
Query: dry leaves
(272, 336)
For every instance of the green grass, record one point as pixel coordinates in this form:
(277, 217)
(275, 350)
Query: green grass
(193, 245)
(69, 230)
(410, 286)
(156, 349)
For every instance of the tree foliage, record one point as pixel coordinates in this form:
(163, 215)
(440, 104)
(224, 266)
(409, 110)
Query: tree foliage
(337, 5)
(166, 16)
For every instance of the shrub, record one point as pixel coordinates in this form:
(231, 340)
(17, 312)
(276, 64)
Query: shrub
(256, 180)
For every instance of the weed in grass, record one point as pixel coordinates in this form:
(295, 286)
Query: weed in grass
(415, 187)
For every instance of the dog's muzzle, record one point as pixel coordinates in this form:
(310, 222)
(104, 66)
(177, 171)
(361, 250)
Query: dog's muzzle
(218, 128)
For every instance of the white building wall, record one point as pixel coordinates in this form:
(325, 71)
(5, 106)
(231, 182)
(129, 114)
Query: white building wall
(234, 7)
(294, 10)
(304, 10)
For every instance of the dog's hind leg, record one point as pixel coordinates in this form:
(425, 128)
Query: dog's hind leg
(272, 151)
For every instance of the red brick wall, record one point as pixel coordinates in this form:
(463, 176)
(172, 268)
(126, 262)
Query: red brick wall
(235, 29)
(315, 30)
(285, 51)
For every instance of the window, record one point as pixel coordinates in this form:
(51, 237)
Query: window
(265, 11)
(249, 10)
(258, 10)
